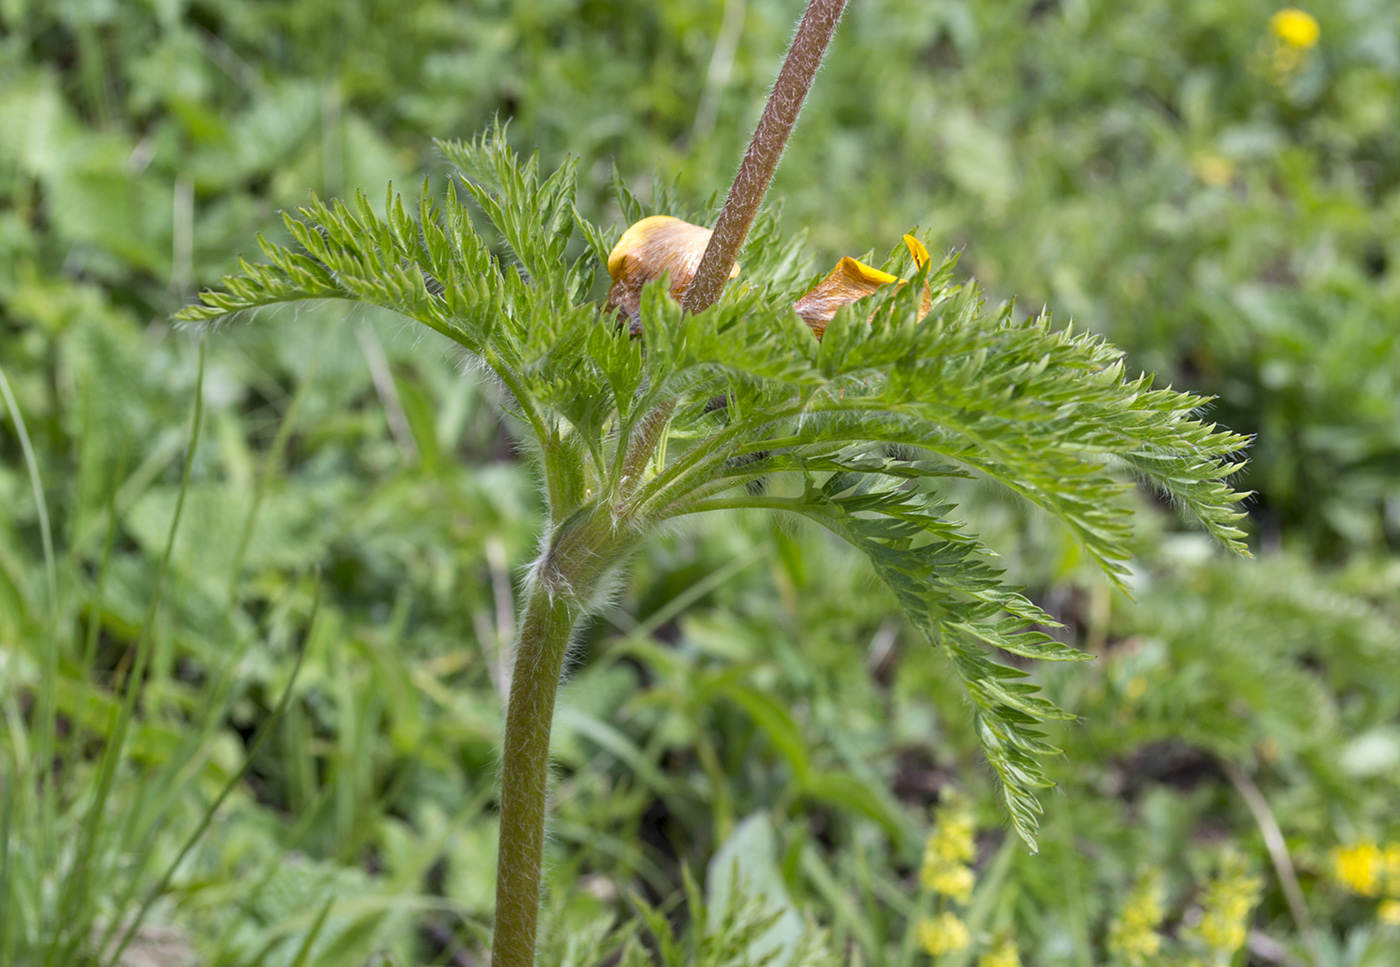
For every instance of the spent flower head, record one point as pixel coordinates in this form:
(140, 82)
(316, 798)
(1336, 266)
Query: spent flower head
(664, 246)
(650, 248)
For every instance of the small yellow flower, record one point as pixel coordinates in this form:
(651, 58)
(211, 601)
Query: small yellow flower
(1295, 28)
(949, 879)
(949, 849)
(943, 934)
(1358, 867)
(1388, 913)
(1229, 898)
(1003, 954)
(1133, 936)
(1214, 170)
(953, 829)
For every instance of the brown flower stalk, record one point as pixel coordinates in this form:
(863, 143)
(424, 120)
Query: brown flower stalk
(769, 139)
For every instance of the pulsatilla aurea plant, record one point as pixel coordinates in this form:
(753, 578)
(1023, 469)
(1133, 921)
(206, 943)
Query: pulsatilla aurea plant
(850, 397)
(909, 385)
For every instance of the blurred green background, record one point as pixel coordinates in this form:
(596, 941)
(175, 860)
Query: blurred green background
(1220, 202)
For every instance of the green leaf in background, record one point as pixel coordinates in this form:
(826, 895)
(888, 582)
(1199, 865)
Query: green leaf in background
(744, 867)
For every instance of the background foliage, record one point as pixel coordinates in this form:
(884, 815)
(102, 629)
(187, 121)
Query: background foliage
(1153, 170)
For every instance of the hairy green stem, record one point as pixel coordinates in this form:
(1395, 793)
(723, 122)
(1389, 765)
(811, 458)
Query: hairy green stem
(682, 475)
(539, 659)
(643, 445)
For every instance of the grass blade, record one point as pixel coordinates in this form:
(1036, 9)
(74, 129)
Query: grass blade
(264, 730)
(305, 951)
(47, 712)
(75, 888)
(7, 936)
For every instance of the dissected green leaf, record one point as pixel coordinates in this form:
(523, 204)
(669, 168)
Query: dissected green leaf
(718, 409)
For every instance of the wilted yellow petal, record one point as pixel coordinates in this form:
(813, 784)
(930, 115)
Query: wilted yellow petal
(648, 250)
(916, 249)
(849, 281)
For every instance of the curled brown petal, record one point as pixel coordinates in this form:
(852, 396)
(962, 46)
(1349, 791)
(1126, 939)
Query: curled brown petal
(849, 281)
(648, 250)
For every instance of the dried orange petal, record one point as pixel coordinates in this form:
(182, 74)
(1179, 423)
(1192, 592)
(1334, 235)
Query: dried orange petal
(849, 281)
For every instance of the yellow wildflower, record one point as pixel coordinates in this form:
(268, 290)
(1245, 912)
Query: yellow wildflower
(949, 849)
(1388, 913)
(1295, 28)
(1229, 898)
(953, 829)
(1358, 867)
(949, 879)
(1132, 937)
(943, 934)
(1003, 954)
(849, 281)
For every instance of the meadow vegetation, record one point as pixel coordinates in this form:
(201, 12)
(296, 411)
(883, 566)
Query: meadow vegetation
(257, 594)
